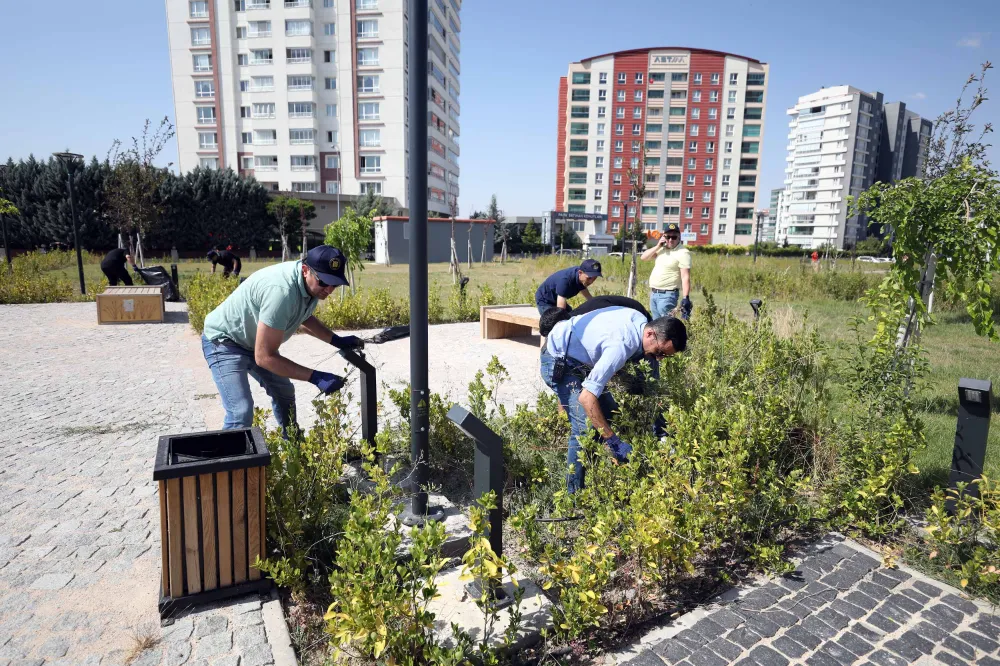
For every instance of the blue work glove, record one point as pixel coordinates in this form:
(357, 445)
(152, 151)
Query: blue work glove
(686, 307)
(619, 449)
(327, 382)
(347, 342)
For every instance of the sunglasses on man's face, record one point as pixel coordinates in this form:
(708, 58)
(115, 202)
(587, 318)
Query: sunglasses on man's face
(673, 238)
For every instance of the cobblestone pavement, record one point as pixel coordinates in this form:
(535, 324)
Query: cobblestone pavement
(840, 607)
(81, 407)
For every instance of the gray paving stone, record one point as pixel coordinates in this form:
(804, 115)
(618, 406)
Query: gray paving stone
(726, 618)
(958, 603)
(52, 581)
(979, 641)
(848, 609)
(802, 635)
(691, 638)
(248, 636)
(672, 651)
(984, 626)
(897, 575)
(796, 580)
(644, 658)
(893, 611)
(180, 630)
(916, 596)
(861, 600)
(257, 656)
(175, 654)
(759, 623)
(838, 653)
(234, 660)
(817, 627)
(788, 647)
(880, 621)
(928, 631)
(904, 602)
(704, 657)
(821, 659)
(211, 624)
(873, 590)
(880, 578)
(54, 647)
(744, 637)
(842, 578)
(985, 660)
(953, 616)
(926, 588)
(886, 658)
(151, 657)
(782, 618)
(855, 644)
(726, 649)
(948, 658)
(833, 618)
(708, 628)
(959, 647)
(766, 656)
(910, 645)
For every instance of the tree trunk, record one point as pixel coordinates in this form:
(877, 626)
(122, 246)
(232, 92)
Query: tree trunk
(634, 266)
(305, 248)
(503, 251)
(285, 253)
(482, 255)
(138, 250)
(469, 255)
(453, 261)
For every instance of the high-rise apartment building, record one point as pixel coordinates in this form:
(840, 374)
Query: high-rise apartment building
(841, 140)
(310, 95)
(699, 116)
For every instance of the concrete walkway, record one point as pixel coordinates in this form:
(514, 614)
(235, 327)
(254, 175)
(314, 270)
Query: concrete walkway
(839, 607)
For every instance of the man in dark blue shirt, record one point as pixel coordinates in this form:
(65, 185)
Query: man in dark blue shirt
(563, 285)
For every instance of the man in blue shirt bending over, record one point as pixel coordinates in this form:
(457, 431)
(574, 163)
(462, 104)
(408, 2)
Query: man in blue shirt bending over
(563, 285)
(580, 356)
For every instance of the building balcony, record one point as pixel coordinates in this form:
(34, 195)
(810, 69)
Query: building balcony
(265, 167)
(255, 5)
(264, 142)
(304, 167)
(298, 61)
(290, 4)
(302, 142)
(258, 35)
(262, 62)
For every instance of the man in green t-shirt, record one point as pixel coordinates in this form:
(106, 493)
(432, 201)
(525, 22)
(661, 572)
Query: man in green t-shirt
(242, 336)
(671, 274)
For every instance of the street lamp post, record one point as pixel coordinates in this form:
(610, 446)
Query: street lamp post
(69, 159)
(756, 239)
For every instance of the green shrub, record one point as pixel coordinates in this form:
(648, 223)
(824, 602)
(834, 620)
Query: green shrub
(31, 282)
(205, 292)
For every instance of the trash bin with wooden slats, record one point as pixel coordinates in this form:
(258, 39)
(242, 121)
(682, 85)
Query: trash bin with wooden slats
(212, 518)
(131, 305)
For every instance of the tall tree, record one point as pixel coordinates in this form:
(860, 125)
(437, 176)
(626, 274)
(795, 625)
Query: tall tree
(953, 213)
(501, 232)
(290, 212)
(350, 235)
(133, 188)
(637, 187)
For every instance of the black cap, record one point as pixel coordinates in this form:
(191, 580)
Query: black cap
(672, 226)
(591, 268)
(328, 263)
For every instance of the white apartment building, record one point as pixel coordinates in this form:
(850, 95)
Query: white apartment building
(309, 96)
(833, 152)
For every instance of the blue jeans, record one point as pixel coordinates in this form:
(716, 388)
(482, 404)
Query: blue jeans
(568, 391)
(544, 307)
(662, 304)
(231, 365)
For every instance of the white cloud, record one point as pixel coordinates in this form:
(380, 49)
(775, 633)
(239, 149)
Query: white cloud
(973, 41)
(919, 95)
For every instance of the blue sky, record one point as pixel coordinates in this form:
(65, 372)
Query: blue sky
(78, 75)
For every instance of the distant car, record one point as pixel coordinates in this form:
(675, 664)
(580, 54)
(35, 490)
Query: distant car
(616, 255)
(569, 253)
(884, 260)
(865, 259)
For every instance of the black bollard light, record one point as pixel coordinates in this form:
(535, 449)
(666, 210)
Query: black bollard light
(755, 304)
(971, 432)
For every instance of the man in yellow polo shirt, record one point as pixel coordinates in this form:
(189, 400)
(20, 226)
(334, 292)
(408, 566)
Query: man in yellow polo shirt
(671, 276)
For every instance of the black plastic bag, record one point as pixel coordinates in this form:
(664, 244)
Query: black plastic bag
(157, 275)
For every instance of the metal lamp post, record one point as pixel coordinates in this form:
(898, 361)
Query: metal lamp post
(70, 159)
(756, 238)
(418, 512)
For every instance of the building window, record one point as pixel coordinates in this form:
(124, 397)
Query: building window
(303, 162)
(602, 95)
(201, 36)
(602, 78)
(581, 78)
(621, 95)
(202, 62)
(204, 89)
(245, 112)
(330, 83)
(620, 112)
(332, 187)
(206, 115)
(299, 56)
(732, 97)
(697, 78)
(370, 138)
(303, 187)
(713, 96)
(581, 95)
(331, 110)
(329, 29)
(694, 130)
(369, 111)
(618, 163)
(301, 110)
(635, 146)
(619, 146)
(711, 130)
(723, 212)
(722, 226)
(242, 59)
(209, 162)
(294, 83)
(637, 112)
(259, 29)
(727, 163)
(208, 141)
(602, 111)
(706, 197)
(696, 96)
(707, 181)
(366, 5)
(622, 80)
(695, 114)
(637, 96)
(262, 57)
(690, 179)
(638, 78)
(689, 213)
(689, 195)
(333, 161)
(709, 146)
(692, 163)
(616, 179)
(370, 163)
(241, 32)
(598, 195)
(709, 163)
(263, 110)
(368, 83)
(599, 162)
(693, 147)
(373, 187)
(328, 4)
(329, 56)
(298, 29)
(599, 178)
(729, 146)
(636, 129)
(600, 145)
(619, 129)
(367, 28)
(724, 197)
(734, 78)
(600, 129)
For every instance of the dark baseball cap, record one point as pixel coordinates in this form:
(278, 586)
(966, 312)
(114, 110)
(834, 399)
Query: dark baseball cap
(591, 268)
(328, 263)
(672, 227)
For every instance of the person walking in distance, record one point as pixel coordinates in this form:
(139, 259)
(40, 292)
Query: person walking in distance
(231, 264)
(243, 334)
(671, 275)
(113, 267)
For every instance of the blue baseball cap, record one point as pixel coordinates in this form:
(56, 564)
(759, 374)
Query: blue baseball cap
(591, 268)
(328, 263)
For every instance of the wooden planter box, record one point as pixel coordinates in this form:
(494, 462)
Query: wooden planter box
(212, 519)
(131, 305)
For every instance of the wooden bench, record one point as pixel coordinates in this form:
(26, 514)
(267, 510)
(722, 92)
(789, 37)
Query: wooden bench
(131, 305)
(507, 321)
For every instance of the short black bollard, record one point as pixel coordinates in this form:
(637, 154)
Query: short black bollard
(488, 476)
(369, 398)
(175, 278)
(971, 432)
(755, 304)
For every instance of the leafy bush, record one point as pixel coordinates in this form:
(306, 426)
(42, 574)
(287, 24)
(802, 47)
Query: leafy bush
(31, 282)
(306, 496)
(964, 528)
(205, 292)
